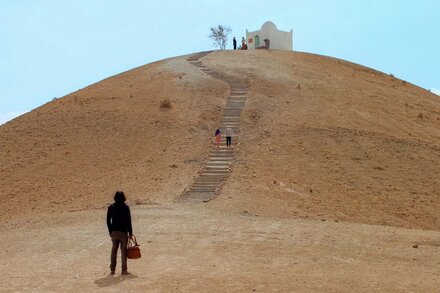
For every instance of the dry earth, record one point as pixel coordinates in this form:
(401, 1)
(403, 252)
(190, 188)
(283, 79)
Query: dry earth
(336, 180)
(194, 249)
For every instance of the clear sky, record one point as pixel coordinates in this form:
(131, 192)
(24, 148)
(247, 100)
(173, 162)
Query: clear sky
(49, 48)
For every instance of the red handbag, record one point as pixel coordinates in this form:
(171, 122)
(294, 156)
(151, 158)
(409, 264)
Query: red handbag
(133, 248)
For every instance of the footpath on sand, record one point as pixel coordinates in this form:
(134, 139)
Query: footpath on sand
(217, 165)
(192, 248)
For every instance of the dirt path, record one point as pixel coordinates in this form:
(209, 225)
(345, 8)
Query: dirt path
(190, 248)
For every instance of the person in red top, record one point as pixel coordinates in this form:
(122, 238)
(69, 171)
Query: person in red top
(119, 228)
(243, 44)
(218, 137)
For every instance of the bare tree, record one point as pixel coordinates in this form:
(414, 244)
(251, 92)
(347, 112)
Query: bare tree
(219, 35)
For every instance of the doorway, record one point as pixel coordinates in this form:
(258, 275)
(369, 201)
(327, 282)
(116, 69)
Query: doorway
(257, 41)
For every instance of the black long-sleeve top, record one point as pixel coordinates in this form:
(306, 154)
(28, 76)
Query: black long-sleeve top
(119, 218)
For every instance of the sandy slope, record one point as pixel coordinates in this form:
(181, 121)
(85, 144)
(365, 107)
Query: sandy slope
(324, 138)
(72, 153)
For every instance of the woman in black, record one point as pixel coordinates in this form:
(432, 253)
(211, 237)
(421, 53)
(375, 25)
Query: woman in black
(119, 227)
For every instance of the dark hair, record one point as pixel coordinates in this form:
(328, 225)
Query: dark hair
(119, 196)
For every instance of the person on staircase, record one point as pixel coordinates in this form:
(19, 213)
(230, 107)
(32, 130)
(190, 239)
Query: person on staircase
(218, 137)
(119, 228)
(229, 133)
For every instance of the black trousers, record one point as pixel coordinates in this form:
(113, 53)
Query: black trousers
(228, 140)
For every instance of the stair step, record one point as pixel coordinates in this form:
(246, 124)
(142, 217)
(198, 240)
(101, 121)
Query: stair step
(217, 158)
(222, 150)
(216, 180)
(202, 190)
(207, 189)
(217, 151)
(220, 157)
(215, 170)
(206, 173)
(208, 180)
(204, 186)
(223, 160)
(209, 174)
(216, 167)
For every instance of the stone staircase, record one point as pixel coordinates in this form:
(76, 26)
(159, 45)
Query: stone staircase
(217, 166)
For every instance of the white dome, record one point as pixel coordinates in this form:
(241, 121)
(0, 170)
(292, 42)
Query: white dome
(269, 26)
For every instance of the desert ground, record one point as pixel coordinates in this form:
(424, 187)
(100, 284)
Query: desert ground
(335, 185)
(195, 249)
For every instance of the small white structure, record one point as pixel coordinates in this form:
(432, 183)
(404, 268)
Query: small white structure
(269, 37)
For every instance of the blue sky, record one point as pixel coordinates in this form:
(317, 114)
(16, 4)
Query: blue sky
(49, 48)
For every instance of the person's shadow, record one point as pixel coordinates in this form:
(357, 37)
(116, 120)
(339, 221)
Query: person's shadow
(111, 280)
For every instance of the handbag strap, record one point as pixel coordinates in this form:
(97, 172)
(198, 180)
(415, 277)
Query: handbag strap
(133, 241)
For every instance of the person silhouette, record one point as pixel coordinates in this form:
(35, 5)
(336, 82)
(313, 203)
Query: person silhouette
(119, 228)
(218, 137)
(228, 133)
(234, 43)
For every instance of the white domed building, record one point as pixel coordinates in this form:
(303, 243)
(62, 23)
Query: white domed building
(269, 37)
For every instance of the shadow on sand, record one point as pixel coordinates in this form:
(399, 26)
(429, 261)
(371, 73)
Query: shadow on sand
(111, 280)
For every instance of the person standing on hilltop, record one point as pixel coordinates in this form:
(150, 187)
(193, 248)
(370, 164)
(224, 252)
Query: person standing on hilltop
(119, 228)
(243, 44)
(218, 137)
(228, 133)
(234, 43)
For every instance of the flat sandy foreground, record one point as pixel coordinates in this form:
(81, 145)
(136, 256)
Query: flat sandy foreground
(189, 248)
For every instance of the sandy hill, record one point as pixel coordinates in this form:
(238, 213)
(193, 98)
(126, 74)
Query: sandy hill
(335, 162)
(321, 138)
